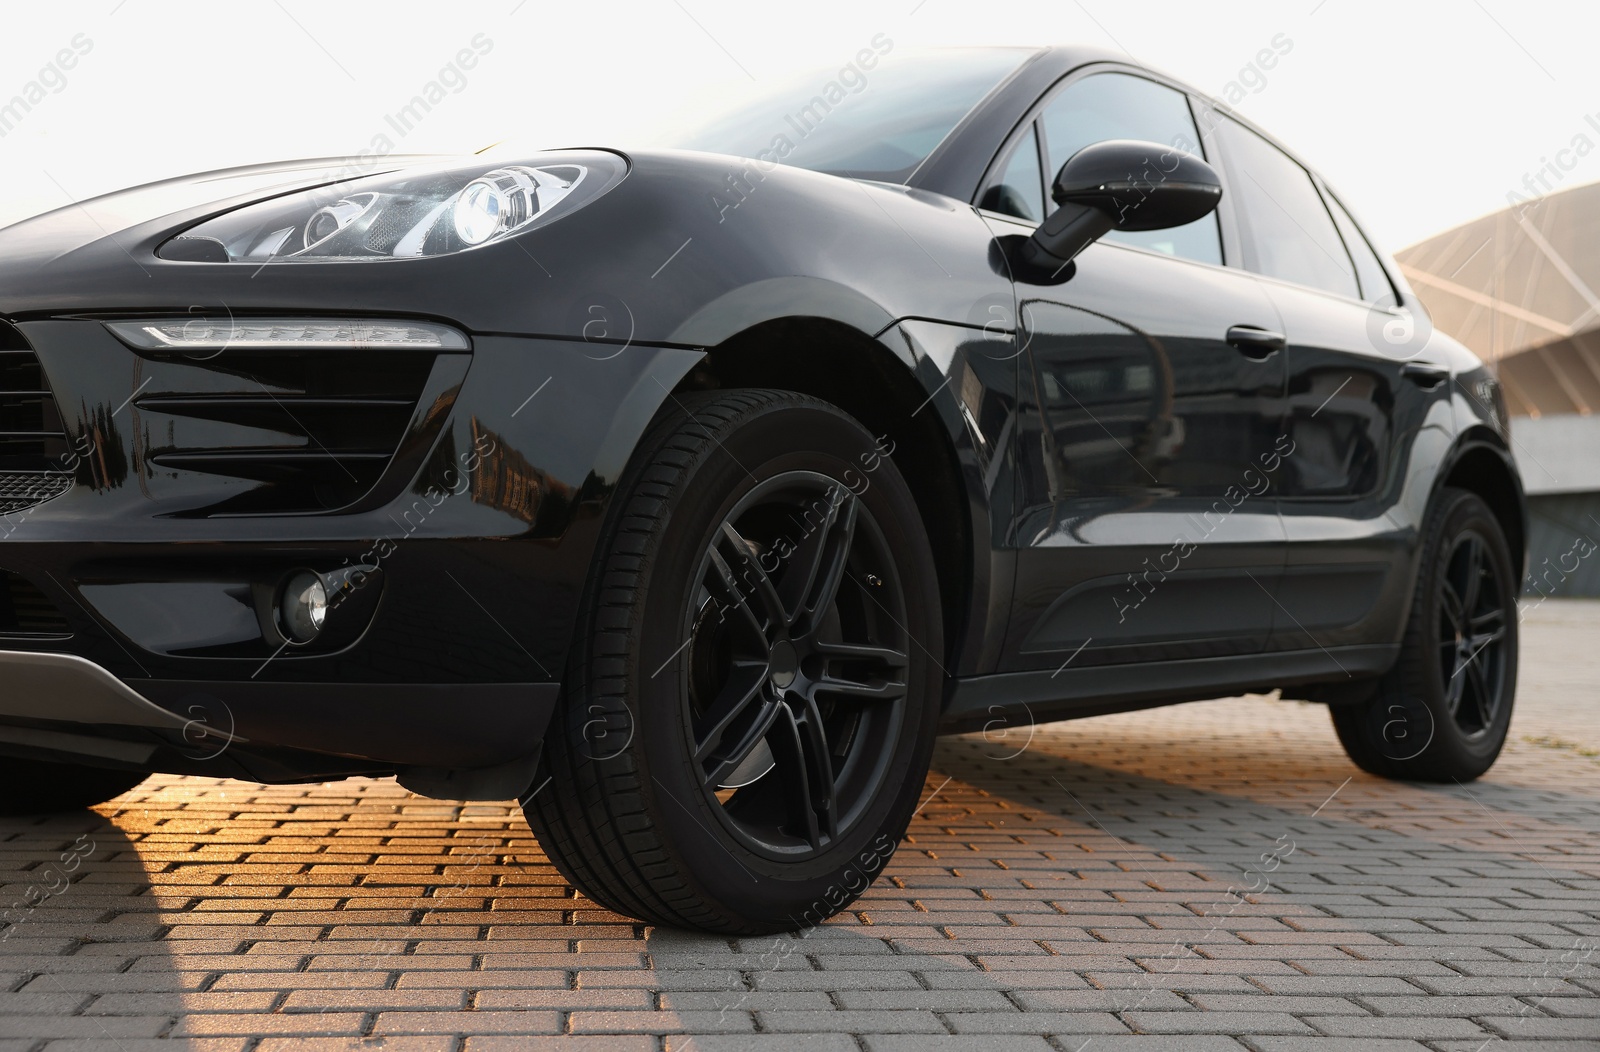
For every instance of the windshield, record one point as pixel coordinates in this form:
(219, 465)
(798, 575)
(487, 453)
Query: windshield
(877, 121)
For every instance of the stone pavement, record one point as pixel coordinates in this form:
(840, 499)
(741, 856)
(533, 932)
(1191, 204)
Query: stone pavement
(1210, 876)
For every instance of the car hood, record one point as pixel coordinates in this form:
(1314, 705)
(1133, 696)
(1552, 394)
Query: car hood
(677, 252)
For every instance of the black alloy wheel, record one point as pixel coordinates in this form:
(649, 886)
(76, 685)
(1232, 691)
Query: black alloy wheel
(750, 710)
(1441, 714)
(797, 660)
(1473, 633)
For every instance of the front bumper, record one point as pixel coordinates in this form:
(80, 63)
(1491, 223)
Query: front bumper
(479, 535)
(65, 705)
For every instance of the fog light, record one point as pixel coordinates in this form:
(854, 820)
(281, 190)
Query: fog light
(304, 607)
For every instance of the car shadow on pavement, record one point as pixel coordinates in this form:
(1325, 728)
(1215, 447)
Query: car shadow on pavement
(75, 906)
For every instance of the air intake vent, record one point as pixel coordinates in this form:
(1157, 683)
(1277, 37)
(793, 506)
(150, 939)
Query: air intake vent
(24, 610)
(33, 443)
(20, 490)
(290, 430)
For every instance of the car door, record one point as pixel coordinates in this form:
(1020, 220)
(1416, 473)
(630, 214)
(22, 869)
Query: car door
(1359, 402)
(1151, 407)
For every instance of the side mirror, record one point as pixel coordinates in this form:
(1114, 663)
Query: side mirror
(1121, 184)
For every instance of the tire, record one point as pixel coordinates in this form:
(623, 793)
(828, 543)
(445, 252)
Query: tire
(750, 710)
(1442, 713)
(38, 787)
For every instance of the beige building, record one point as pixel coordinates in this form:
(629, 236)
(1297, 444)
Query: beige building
(1521, 288)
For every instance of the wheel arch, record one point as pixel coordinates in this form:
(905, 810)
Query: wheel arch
(846, 366)
(1480, 463)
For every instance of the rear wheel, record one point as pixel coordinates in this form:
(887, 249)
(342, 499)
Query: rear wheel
(36, 787)
(1442, 713)
(751, 709)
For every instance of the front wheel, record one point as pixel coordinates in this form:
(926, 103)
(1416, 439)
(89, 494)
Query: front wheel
(750, 713)
(1442, 713)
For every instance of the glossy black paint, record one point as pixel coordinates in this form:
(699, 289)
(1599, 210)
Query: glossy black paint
(1146, 529)
(1046, 510)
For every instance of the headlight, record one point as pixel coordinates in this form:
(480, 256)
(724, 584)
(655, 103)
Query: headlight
(402, 215)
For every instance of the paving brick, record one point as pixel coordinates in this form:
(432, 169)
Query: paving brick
(1100, 1000)
(1216, 1023)
(1525, 1027)
(929, 1000)
(663, 1022)
(752, 1043)
(1422, 1028)
(749, 1000)
(1338, 1044)
(1040, 1023)
(565, 1043)
(1301, 1004)
(354, 1044)
(876, 980)
(961, 1043)
(144, 1044)
(854, 1022)
(1151, 1043)
(111, 1028)
(179, 1003)
(565, 1000)
(261, 1024)
(401, 1022)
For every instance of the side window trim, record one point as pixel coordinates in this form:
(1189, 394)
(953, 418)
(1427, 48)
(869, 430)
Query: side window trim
(1391, 295)
(1046, 178)
(1252, 259)
(1229, 224)
(996, 172)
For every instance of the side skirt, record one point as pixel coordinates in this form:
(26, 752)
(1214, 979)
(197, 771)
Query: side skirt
(1048, 695)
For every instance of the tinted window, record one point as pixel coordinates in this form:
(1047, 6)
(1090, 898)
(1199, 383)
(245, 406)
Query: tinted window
(1120, 106)
(1375, 284)
(1292, 236)
(876, 118)
(1020, 189)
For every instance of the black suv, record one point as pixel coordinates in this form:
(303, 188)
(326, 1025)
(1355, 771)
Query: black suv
(686, 492)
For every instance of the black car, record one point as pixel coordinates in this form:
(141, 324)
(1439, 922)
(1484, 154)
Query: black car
(686, 493)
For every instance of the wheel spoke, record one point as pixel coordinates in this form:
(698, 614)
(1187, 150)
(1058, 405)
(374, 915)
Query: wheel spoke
(1474, 575)
(1483, 640)
(1453, 688)
(728, 760)
(819, 764)
(1488, 622)
(800, 748)
(788, 751)
(818, 564)
(1450, 605)
(874, 673)
(738, 580)
(1478, 686)
(742, 689)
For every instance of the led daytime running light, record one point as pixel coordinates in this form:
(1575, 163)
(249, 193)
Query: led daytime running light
(200, 334)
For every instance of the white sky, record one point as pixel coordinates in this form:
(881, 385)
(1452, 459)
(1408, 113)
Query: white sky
(1424, 113)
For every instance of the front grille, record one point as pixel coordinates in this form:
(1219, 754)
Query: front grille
(286, 430)
(34, 462)
(24, 610)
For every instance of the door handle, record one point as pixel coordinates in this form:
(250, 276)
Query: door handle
(1425, 374)
(1256, 344)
